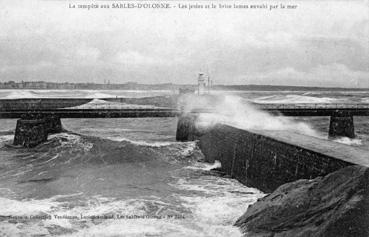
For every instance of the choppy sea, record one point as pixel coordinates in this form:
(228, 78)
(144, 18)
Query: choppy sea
(129, 177)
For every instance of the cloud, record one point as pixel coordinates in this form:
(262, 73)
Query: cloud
(45, 39)
(38, 66)
(333, 75)
(136, 59)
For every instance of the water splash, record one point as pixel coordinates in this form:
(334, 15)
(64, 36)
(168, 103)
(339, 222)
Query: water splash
(349, 141)
(237, 112)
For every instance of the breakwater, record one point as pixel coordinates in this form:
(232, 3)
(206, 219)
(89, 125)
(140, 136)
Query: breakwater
(268, 159)
(317, 187)
(40, 103)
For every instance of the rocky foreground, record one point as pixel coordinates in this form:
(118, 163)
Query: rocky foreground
(334, 205)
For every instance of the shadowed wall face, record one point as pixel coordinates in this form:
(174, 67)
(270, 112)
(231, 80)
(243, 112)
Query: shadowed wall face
(30, 133)
(342, 126)
(187, 130)
(262, 162)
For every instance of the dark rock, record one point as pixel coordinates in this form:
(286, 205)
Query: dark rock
(335, 205)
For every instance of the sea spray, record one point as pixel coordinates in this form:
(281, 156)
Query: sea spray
(349, 141)
(237, 112)
(293, 99)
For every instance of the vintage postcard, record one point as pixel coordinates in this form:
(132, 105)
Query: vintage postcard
(184, 118)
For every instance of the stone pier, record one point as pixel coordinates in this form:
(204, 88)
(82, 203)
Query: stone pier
(34, 129)
(268, 159)
(30, 133)
(54, 124)
(341, 126)
(187, 130)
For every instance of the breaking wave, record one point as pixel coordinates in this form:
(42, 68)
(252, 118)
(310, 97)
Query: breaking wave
(76, 185)
(103, 104)
(294, 99)
(98, 95)
(236, 111)
(349, 141)
(18, 94)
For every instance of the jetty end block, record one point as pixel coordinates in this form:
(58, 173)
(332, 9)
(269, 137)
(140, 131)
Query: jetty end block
(54, 124)
(30, 133)
(188, 129)
(341, 126)
(33, 130)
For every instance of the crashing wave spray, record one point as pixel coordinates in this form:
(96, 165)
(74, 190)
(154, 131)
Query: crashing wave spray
(237, 112)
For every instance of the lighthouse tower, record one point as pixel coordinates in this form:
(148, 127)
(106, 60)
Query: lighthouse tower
(201, 83)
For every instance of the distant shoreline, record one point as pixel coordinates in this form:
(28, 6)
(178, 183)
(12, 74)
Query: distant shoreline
(166, 86)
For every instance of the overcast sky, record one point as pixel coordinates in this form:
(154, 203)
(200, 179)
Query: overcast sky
(322, 43)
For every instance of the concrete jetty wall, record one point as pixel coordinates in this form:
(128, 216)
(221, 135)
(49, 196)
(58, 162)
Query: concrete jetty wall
(268, 159)
(40, 103)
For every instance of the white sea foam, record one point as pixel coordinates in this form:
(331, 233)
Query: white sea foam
(205, 166)
(210, 214)
(72, 140)
(294, 99)
(18, 94)
(365, 100)
(102, 104)
(6, 138)
(349, 141)
(145, 223)
(223, 201)
(143, 143)
(99, 95)
(11, 207)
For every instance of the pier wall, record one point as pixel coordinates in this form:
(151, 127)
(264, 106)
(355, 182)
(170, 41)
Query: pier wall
(263, 161)
(341, 126)
(40, 103)
(32, 132)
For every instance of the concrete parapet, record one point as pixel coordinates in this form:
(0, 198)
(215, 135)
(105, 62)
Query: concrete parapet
(266, 162)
